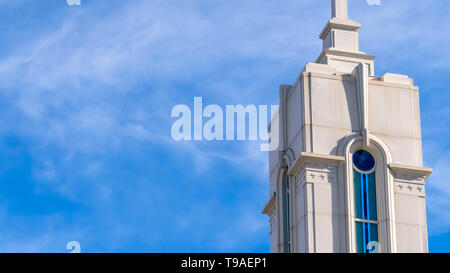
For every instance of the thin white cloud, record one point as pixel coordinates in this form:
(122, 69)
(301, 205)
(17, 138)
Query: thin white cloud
(77, 90)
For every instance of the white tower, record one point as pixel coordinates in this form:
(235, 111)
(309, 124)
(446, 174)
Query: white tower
(348, 175)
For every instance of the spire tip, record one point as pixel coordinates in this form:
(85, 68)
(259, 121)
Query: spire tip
(339, 9)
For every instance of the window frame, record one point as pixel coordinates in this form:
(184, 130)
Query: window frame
(286, 198)
(384, 188)
(366, 173)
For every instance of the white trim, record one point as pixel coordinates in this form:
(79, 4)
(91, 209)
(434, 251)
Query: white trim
(362, 85)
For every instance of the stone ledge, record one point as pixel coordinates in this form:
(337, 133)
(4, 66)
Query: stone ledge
(315, 158)
(270, 205)
(355, 55)
(414, 170)
(339, 23)
(397, 78)
(319, 68)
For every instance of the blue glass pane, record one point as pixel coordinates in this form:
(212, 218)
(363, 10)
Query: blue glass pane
(366, 233)
(363, 160)
(373, 236)
(372, 197)
(360, 238)
(365, 196)
(358, 196)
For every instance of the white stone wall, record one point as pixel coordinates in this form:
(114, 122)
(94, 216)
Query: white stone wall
(317, 113)
(335, 105)
(411, 223)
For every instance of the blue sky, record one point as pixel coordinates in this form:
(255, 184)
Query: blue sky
(85, 99)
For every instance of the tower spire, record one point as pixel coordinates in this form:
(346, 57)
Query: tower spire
(341, 43)
(339, 9)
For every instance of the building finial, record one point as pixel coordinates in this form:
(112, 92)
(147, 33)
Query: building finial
(341, 43)
(339, 9)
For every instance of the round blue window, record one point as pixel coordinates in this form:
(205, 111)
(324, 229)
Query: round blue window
(363, 160)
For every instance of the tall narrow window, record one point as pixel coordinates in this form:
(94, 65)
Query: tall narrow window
(286, 214)
(366, 218)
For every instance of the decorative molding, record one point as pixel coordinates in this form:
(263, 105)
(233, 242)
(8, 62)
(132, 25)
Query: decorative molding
(270, 207)
(353, 55)
(316, 173)
(410, 179)
(413, 179)
(314, 161)
(405, 172)
(410, 188)
(321, 177)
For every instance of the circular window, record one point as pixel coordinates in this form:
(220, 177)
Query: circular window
(363, 161)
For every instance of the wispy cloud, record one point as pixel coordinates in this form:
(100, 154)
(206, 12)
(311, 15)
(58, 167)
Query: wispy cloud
(85, 98)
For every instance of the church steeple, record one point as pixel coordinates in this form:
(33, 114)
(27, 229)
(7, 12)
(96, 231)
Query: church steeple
(340, 33)
(348, 175)
(341, 41)
(339, 9)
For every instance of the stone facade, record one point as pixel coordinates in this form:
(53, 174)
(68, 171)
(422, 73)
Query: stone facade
(336, 107)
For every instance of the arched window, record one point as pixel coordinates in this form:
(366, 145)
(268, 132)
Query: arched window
(366, 215)
(286, 214)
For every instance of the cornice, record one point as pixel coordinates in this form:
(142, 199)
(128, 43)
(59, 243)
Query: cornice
(316, 158)
(406, 169)
(269, 206)
(339, 23)
(356, 55)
